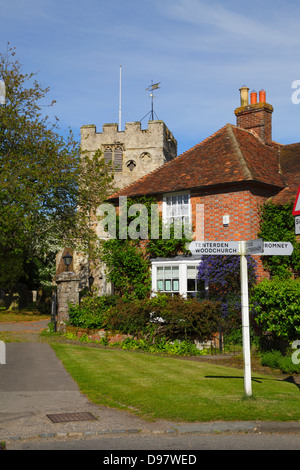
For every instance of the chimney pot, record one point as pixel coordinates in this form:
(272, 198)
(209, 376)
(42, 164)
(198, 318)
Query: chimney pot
(244, 95)
(262, 96)
(256, 118)
(253, 97)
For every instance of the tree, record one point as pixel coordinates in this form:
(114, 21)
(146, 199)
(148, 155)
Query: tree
(44, 178)
(277, 223)
(277, 309)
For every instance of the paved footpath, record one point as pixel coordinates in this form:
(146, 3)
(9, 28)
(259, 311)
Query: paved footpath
(34, 384)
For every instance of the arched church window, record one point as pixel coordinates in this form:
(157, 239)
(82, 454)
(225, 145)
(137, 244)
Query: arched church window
(131, 165)
(107, 155)
(118, 159)
(145, 158)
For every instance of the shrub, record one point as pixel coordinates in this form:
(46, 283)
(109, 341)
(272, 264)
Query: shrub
(163, 346)
(276, 360)
(286, 365)
(154, 318)
(163, 315)
(277, 308)
(271, 358)
(185, 318)
(222, 275)
(129, 316)
(90, 313)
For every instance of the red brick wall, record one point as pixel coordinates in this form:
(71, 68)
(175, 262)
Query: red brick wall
(243, 210)
(242, 206)
(258, 118)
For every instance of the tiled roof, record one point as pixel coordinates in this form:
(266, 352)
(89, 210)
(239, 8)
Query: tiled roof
(289, 160)
(230, 155)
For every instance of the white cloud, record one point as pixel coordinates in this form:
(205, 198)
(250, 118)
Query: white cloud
(202, 51)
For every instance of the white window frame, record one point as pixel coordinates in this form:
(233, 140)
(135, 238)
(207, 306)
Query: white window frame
(182, 263)
(166, 218)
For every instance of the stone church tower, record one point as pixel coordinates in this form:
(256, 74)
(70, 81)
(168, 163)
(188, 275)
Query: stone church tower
(134, 153)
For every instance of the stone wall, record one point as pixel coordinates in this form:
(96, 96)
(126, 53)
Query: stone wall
(67, 292)
(135, 151)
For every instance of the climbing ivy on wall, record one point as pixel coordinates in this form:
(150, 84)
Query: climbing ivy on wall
(277, 223)
(128, 260)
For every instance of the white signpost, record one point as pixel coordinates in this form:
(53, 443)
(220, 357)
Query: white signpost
(214, 248)
(277, 249)
(253, 247)
(243, 248)
(297, 225)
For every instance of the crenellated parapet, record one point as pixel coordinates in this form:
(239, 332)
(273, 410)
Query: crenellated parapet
(133, 152)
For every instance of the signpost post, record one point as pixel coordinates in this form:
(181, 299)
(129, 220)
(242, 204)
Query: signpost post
(243, 248)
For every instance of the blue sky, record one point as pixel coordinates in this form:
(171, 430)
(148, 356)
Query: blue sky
(201, 51)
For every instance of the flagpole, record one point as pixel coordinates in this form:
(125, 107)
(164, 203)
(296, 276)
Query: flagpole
(120, 93)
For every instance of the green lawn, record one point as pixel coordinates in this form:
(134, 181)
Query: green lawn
(175, 389)
(7, 316)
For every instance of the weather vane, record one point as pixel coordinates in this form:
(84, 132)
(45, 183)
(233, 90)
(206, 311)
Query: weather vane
(151, 88)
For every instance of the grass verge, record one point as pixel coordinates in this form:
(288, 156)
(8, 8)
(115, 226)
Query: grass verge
(7, 316)
(156, 387)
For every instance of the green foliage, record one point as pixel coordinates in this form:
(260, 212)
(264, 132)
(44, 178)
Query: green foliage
(277, 308)
(127, 268)
(162, 346)
(278, 224)
(90, 313)
(276, 360)
(128, 260)
(169, 246)
(271, 358)
(165, 316)
(43, 180)
(129, 316)
(149, 318)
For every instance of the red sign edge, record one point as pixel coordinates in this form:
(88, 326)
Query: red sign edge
(296, 200)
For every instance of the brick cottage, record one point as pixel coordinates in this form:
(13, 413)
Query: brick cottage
(219, 185)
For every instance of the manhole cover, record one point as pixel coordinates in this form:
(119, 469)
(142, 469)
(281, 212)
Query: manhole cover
(66, 417)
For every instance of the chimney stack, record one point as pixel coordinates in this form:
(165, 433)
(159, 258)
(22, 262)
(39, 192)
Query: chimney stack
(256, 116)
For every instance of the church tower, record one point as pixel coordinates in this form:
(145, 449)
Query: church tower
(133, 152)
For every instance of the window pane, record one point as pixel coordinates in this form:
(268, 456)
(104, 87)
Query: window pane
(175, 271)
(191, 285)
(160, 285)
(168, 272)
(160, 273)
(175, 284)
(167, 284)
(191, 272)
